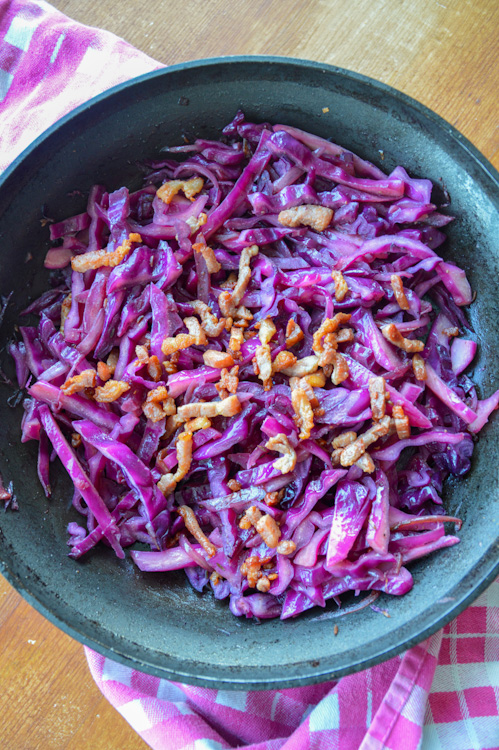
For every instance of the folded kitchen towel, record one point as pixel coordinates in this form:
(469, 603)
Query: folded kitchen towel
(440, 695)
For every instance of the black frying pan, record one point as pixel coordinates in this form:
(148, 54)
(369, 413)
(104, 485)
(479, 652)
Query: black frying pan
(156, 622)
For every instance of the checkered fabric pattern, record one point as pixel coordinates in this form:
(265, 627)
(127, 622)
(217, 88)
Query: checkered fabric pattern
(440, 695)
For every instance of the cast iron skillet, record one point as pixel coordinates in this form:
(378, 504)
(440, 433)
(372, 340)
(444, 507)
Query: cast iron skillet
(157, 623)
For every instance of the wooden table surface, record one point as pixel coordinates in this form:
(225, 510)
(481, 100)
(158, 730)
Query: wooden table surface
(443, 53)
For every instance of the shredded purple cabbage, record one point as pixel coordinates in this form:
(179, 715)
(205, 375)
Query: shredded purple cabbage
(221, 346)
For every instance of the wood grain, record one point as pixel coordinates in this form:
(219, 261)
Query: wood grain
(445, 54)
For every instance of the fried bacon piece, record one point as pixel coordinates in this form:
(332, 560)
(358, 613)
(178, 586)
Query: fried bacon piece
(192, 525)
(262, 365)
(273, 498)
(168, 482)
(304, 415)
(230, 282)
(154, 369)
(305, 366)
(263, 584)
(195, 330)
(98, 258)
(252, 569)
(283, 361)
(377, 392)
(236, 339)
(212, 263)
(316, 217)
(104, 371)
(158, 404)
(172, 424)
(286, 547)
(341, 441)
(419, 367)
(226, 408)
(229, 301)
(228, 382)
(111, 390)
(450, 332)
(174, 344)
(78, 383)
(354, 451)
(66, 307)
(393, 335)
(190, 188)
(366, 463)
(195, 224)
(340, 286)
(210, 324)
(234, 485)
(401, 422)
(398, 290)
(330, 325)
(280, 443)
(294, 333)
(199, 423)
(340, 370)
(268, 530)
(213, 358)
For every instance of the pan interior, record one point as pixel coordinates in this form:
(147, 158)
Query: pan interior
(156, 621)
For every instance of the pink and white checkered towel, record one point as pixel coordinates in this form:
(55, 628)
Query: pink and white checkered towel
(440, 695)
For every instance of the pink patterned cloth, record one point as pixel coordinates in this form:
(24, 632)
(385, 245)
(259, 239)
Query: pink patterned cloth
(440, 695)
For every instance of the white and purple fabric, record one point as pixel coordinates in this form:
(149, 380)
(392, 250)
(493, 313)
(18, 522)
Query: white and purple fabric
(440, 695)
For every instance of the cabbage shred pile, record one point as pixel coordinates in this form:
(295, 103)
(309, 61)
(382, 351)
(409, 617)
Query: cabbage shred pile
(232, 361)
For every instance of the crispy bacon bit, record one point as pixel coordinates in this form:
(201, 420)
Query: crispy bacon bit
(195, 223)
(366, 463)
(266, 330)
(398, 289)
(294, 333)
(226, 408)
(111, 391)
(236, 340)
(209, 322)
(154, 368)
(340, 371)
(304, 416)
(104, 371)
(251, 568)
(263, 584)
(268, 530)
(393, 335)
(212, 263)
(174, 344)
(215, 578)
(200, 423)
(158, 394)
(336, 457)
(354, 451)
(142, 354)
(78, 383)
(316, 217)
(234, 485)
(286, 547)
(228, 301)
(344, 336)
(280, 443)
(230, 282)
(450, 332)
(262, 364)
(330, 325)
(171, 364)
(214, 358)
(168, 482)
(401, 422)
(75, 439)
(194, 327)
(341, 441)
(377, 392)
(273, 498)
(98, 258)
(112, 360)
(340, 286)
(153, 411)
(228, 382)
(302, 367)
(192, 525)
(190, 188)
(66, 307)
(250, 518)
(283, 360)
(419, 367)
